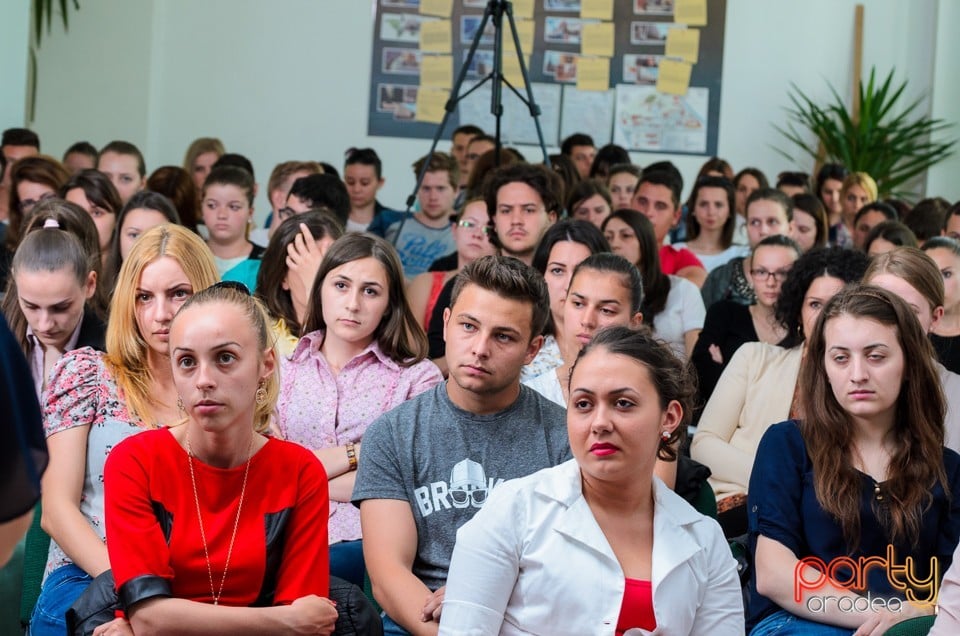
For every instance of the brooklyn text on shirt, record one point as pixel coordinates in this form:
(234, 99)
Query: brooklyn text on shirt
(468, 488)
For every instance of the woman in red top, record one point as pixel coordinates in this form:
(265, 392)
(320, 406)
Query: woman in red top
(213, 528)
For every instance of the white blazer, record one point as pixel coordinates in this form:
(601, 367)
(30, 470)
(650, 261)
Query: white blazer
(534, 561)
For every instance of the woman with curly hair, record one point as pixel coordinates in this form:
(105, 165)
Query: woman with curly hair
(758, 387)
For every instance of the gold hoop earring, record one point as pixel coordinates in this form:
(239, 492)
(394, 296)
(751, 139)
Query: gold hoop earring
(261, 395)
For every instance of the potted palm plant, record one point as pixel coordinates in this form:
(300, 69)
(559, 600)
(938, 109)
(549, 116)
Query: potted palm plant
(892, 143)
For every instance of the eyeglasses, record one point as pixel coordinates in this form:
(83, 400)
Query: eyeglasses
(28, 204)
(232, 285)
(467, 224)
(778, 276)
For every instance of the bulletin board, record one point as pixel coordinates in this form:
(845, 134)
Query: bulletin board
(644, 74)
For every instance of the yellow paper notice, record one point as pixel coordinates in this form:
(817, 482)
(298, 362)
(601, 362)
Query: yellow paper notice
(436, 71)
(442, 8)
(597, 9)
(691, 12)
(430, 103)
(674, 77)
(683, 43)
(524, 32)
(511, 70)
(596, 38)
(436, 36)
(523, 9)
(593, 73)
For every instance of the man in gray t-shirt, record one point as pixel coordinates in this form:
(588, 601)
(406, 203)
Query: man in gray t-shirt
(426, 236)
(427, 466)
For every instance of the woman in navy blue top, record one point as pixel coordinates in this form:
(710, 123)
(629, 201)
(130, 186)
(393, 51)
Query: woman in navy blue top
(863, 475)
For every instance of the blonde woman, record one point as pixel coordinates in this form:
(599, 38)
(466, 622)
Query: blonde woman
(95, 400)
(858, 189)
(213, 527)
(200, 157)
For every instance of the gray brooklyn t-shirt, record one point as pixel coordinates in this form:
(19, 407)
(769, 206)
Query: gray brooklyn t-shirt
(444, 461)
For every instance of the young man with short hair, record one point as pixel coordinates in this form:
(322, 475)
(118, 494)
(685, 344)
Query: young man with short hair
(523, 200)
(460, 139)
(313, 192)
(282, 178)
(363, 175)
(15, 144)
(80, 156)
(426, 236)
(122, 163)
(657, 197)
(581, 150)
(428, 465)
(476, 148)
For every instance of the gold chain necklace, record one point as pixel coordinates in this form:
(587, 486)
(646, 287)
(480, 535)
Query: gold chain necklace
(236, 523)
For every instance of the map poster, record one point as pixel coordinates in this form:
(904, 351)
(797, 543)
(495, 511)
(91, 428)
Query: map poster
(649, 121)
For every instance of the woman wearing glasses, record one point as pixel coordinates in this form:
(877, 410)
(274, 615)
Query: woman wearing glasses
(471, 235)
(758, 387)
(729, 324)
(93, 401)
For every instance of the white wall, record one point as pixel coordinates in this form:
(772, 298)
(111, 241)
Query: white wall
(14, 40)
(289, 79)
(94, 80)
(943, 178)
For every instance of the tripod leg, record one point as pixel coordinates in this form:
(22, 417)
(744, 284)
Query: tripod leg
(449, 107)
(531, 101)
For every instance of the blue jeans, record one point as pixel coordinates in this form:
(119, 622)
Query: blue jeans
(783, 623)
(346, 561)
(59, 592)
(390, 628)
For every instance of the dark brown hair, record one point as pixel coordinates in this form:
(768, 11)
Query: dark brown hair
(399, 334)
(177, 185)
(274, 268)
(828, 430)
(37, 169)
(668, 374)
(509, 278)
(812, 205)
(73, 219)
(693, 225)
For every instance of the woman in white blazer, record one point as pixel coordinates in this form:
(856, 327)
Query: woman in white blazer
(598, 545)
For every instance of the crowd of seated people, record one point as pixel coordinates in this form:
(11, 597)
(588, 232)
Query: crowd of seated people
(489, 415)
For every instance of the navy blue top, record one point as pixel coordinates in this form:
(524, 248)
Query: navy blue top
(782, 506)
(23, 452)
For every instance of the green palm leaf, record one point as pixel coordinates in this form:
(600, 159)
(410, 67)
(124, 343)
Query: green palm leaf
(890, 141)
